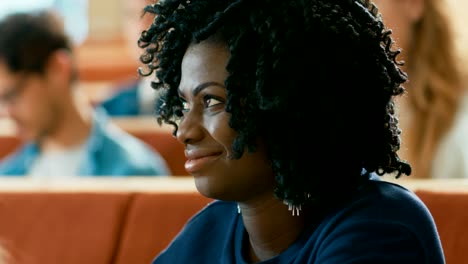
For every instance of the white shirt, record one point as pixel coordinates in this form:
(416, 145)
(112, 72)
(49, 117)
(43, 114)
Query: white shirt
(451, 157)
(58, 164)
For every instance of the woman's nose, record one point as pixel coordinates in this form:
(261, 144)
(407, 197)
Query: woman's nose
(190, 129)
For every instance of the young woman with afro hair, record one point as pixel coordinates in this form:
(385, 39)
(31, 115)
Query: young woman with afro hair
(286, 111)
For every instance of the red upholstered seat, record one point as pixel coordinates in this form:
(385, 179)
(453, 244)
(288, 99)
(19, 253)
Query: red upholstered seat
(58, 228)
(153, 220)
(450, 211)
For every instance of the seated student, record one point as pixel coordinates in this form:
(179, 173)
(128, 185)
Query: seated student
(434, 113)
(132, 97)
(64, 135)
(286, 112)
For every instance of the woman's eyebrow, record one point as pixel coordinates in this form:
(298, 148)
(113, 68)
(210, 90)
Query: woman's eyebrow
(202, 86)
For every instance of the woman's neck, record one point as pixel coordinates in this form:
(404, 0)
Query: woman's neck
(271, 229)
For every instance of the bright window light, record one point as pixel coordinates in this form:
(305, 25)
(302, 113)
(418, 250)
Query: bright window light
(75, 13)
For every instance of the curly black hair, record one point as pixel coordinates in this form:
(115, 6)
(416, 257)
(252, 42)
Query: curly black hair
(316, 79)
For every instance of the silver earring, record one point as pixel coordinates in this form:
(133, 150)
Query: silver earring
(294, 208)
(238, 209)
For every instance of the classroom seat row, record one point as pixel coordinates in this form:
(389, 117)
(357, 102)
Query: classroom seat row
(131, 220)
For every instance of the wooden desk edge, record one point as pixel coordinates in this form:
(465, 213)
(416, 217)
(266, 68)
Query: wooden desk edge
(99, 184)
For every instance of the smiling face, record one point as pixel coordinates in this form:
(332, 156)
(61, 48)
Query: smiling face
(207, 136)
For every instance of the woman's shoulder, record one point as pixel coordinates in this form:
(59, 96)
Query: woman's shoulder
(384, 193)
(384, 201)
(383, 216)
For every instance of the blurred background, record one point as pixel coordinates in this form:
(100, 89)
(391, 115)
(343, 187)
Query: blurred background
(126, 226)
(97, 27)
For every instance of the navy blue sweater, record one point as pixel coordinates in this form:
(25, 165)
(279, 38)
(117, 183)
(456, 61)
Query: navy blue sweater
(385, 223)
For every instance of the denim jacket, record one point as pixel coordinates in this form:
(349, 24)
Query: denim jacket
(123, 103)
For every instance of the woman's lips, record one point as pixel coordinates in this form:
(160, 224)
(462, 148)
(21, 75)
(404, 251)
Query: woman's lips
(197, 163)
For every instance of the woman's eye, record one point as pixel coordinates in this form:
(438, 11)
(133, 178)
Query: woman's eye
(185, 107)
(210, 102)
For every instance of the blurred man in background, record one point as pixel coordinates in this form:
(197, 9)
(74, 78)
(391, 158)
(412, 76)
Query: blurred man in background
(64, 135)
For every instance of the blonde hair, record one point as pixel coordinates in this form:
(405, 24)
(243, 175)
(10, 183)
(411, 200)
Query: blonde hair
(435, 85)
